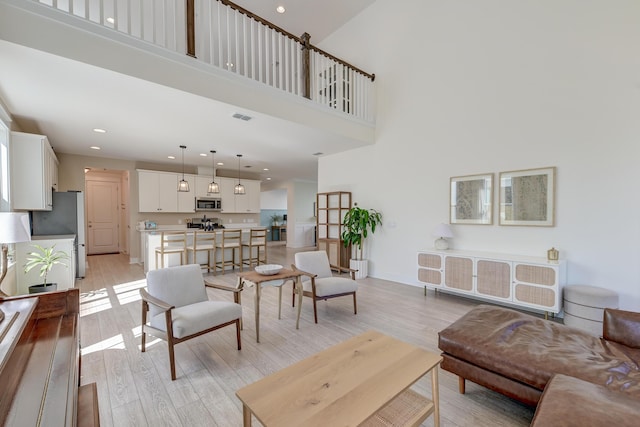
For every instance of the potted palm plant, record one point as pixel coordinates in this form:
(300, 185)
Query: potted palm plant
(45, 259)
(358, 223)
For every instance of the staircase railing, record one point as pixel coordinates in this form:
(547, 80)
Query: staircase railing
(224, 35)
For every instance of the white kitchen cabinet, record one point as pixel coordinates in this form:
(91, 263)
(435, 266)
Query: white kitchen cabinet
(202, 185)
(63, 275)
(227, 198)
(34, 172)
(249, 202)
(304, 235)
(157, 191)
(186, 199)
(241, 203)
(514, 280)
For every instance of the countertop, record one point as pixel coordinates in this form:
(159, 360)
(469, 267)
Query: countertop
(55, 237)
(242, 226)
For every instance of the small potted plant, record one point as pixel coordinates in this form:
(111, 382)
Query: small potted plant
(45, 258)
(358, 223)
(275, 219)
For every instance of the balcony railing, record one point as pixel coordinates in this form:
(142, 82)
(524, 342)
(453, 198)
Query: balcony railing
(224, 35)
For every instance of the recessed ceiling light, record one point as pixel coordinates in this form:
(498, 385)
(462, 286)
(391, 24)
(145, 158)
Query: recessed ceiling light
(94, 147)
(280, 9)
(110, 20)
(220, 164)
(203, 155)
(98, 130)
(171, 157)
(268, 179)
(265, 169)
(230, 64)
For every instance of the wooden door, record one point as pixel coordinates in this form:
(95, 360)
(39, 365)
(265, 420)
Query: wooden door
(102, 217)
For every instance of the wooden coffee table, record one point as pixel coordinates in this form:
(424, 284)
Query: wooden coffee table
(362, 381)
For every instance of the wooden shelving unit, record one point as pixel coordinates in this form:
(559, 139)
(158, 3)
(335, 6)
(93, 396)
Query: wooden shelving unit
(331, 209)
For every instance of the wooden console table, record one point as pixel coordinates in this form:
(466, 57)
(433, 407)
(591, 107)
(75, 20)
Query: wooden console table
(362, 381)
(281, 229)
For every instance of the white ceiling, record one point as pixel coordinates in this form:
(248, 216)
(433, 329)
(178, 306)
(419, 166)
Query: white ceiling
(66, 99)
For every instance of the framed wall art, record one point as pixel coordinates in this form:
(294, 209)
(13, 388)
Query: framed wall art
(471, 199)
(527, 197)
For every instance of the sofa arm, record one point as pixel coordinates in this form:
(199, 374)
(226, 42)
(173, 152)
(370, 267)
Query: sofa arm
(622, 327)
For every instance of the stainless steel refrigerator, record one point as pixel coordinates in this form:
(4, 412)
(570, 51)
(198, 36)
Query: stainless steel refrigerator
(66, 217)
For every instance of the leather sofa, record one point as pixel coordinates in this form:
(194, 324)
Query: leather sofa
(518, 354)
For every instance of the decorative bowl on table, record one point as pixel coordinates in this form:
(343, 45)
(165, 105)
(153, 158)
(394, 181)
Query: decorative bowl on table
(268, 269)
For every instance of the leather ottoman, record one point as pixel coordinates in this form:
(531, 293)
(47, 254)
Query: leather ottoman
(571, 402)
(517, 354)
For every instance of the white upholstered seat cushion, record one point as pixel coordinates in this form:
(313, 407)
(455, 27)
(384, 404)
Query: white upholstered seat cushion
(194, 318)
(315, 262)
(178, 286)
(331, 286)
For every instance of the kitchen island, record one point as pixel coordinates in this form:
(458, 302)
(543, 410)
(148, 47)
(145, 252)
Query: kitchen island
(150, 240)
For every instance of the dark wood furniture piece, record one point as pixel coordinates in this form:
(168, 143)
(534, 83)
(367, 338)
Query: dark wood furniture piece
(40, 363)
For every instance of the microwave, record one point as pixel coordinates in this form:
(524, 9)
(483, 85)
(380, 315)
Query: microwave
(208, 204)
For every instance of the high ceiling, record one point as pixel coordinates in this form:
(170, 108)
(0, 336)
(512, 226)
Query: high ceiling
(66, 99)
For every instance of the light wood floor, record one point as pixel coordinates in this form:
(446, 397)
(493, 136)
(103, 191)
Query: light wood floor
(135, 388)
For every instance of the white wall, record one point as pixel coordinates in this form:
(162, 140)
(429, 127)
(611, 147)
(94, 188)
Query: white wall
(274, 199)
(304, 197)
(467, 87)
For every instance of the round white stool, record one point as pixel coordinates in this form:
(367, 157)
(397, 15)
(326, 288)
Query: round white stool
(584, 306)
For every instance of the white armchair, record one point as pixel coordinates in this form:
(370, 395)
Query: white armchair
(319, 283)
(179, 308)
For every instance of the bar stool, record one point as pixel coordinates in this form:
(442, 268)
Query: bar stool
(257, 240)
(204, 241)
(172, 242)
(231, 239)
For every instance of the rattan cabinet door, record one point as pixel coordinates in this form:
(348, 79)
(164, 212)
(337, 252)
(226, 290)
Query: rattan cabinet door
(493, 279)
(537, 285)
(458, 273)
(430, 269)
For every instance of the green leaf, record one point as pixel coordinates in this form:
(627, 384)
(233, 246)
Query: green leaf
(45, 258)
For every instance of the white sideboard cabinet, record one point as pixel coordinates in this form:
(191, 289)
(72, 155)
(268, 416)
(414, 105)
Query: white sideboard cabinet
(522, 281)
(34, 172)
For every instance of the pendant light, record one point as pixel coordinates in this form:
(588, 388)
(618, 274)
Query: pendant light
(183, 185)
(214, 188)
(239, 189)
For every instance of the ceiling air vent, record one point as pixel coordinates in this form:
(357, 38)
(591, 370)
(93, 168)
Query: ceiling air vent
(242, 117)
